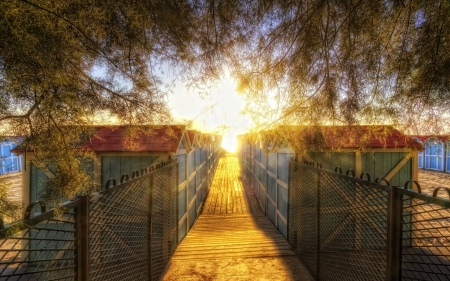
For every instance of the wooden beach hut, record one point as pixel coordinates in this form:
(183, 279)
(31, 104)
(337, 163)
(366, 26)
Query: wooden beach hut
(116, 154)
(379, 151)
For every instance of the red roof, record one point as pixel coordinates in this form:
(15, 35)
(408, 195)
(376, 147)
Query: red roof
(118, 138)
(335, 137)
(207, 138)
(191, 134)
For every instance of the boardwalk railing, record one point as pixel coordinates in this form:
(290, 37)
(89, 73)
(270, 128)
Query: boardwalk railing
(347, 228)
(125, 232)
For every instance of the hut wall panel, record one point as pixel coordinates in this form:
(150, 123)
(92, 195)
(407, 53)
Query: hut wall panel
(403, 175)
(347, 160)
(271, 212)
(282, 199)
(124, 165)
(182, 231)
(197, 157)
(181, 168)
(191, 190)
(263, 177)
(135, 164)
(283, 166)
(191, 163)
(192, 215)
(199, 198)
(329, 161)
(37, 179)
(420, 159)
(272, 187)
(116, 166)
(389, 161)
(282, 227)
(368, 165)
(447, 158)
(272, 162)
(262, 198)
(181, 203)
(264, 158)
(381, 163)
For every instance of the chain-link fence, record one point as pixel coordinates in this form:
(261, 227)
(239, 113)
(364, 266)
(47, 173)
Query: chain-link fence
(347, 228)
(425, 237)
(40, 248)
(125, 232)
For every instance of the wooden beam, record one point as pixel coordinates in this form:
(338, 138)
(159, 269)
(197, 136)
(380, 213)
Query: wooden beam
(415, 165)
(358, 163)
(307, 157)
(397, 167)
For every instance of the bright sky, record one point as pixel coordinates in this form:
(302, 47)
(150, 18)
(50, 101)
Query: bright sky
(218, 112)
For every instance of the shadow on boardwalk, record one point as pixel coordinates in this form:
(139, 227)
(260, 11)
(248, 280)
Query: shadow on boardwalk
(232, 239)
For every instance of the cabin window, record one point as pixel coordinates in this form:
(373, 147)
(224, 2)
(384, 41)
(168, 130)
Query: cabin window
(9, 162)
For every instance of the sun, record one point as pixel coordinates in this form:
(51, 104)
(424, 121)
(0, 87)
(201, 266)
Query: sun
(229, 142)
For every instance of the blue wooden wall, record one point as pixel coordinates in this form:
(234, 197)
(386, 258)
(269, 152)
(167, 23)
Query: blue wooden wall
(436, 156)
(197, 169)
(268, 174)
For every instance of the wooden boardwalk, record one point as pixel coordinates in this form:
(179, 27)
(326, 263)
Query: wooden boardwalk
(232, 239)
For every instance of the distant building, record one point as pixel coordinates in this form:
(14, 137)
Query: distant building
(436, 155)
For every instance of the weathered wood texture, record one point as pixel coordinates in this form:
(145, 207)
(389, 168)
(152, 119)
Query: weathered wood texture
(232, 239)
(228, 194)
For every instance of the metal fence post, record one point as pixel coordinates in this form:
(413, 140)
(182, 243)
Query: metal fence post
(394, 236)
(82, 272)
(318, 227)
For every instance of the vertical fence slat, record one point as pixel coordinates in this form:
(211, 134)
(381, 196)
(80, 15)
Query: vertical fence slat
(318, 227)
(82, 271)
(150, 217)
(394, 231)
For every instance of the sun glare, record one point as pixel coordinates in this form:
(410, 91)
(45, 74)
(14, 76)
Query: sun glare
(229, 143)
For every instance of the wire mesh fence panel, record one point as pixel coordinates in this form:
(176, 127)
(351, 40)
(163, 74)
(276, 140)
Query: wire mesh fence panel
(425, 237)
(119, 232)
(39, 248)
(353, 228)
(303, 214)
(164, 219)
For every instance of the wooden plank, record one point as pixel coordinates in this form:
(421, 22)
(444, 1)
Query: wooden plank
(232, 223)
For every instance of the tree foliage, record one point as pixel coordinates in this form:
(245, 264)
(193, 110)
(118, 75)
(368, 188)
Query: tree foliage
(50, 56)
(350, 62)
(297, 61)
